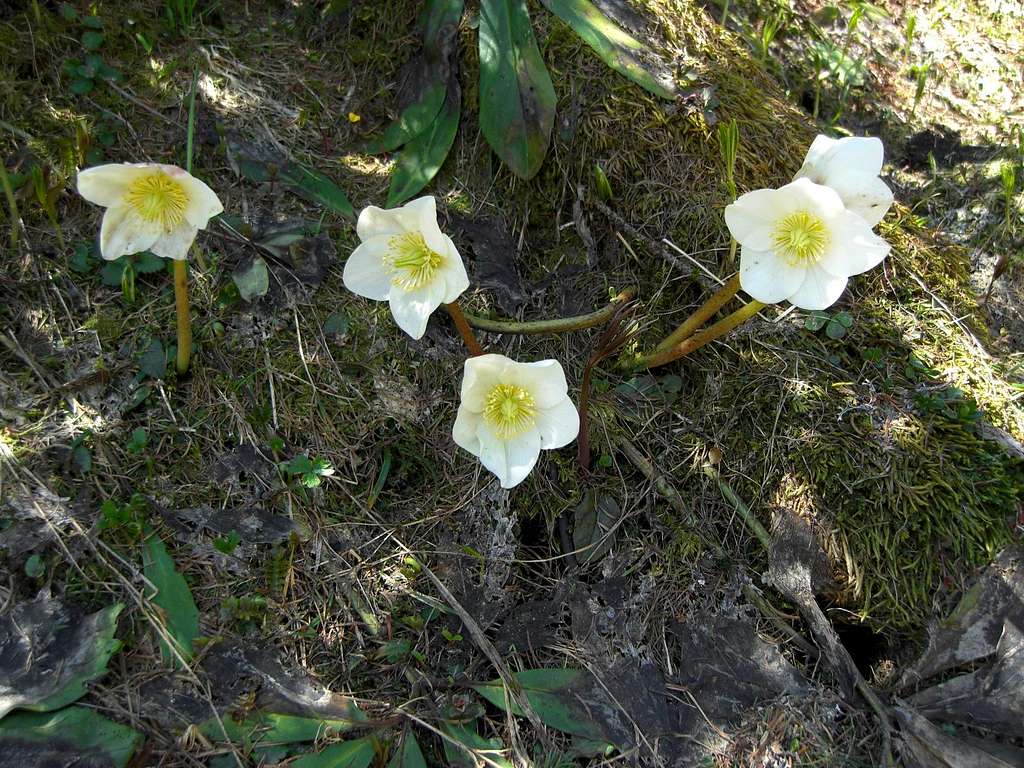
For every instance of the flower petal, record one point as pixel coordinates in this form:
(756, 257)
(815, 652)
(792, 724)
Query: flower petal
(854, 248)
(817, 151)
(522, 452)
(412, 309)
(364, 272)
(123, 232)
(863, 193)
(820, 290)
(106, 184)
(377, 222)
(454, 271)
(864, 153)
(464, 430)
(559, 425)
(176, 243)
(203, 203)
(768, 278)
(544, 380)
(805, 195)
(479, 375)
(492, 452)
(752, 218)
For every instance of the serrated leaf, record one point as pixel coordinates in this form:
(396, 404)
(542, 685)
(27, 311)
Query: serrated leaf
(73, 736)
(148, 262)
(252, 278)
(835, 329)
(153, 362)
(550, 693)
(816, 320)
(91, 40)
(347, 754)
(616, 47)
(517, 99)
(112, 272)
(80, 86)
(409, 754)
(426, 77)
(47, 658)
(173, 597)
(424, 155)
(594, 518)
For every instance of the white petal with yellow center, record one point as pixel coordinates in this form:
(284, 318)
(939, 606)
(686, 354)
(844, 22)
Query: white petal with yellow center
(406, 260)
(510, 411)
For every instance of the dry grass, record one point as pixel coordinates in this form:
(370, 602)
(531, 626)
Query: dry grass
(799, 418)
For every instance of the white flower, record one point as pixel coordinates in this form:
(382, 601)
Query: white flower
(850, 166)
(405, 259)
(150, 207)
(800, 243)
(510, 411)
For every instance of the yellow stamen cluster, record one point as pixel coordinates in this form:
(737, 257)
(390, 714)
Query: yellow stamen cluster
(510, 410)
(801, 238)
(158, 199)
(411, 262)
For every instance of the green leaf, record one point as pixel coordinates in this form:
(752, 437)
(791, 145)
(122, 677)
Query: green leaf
(70, 736)
(273, 728)
(113, 271)
(409, 755)
(616, 47)
(80, 86)
(92, 40)
(336, 323)
(550, 693)
(153, 362)
(517, 99)
(82, 258)
(467, 735)
(317, 188)
(92, 22)
(347, 754)
(423, 157)
(816, 320)
(839, 325)
(35, 567)
(595, 516)
(604, 187)
(173, 597)
(148, 262)
(252, 278)
(426, 77)
(298, 465)
(57, 656)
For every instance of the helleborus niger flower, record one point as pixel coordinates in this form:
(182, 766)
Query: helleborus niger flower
(150, 207)
(800, 243)
(406, 260)
(850, 166)
(510, 411)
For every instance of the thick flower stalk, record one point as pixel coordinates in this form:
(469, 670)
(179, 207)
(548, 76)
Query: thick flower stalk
(851, 166)
(153, 207)
(799, 243)
(150, 207)
(510, 411)
(406, 260)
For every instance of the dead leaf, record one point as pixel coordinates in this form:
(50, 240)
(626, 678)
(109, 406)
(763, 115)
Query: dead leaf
(494, 252)
(49, 653)
(974, 629)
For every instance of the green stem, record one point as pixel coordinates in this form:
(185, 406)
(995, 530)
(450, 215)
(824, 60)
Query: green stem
(701, 315)
(698, 340)
(558, 325)
(12, 204)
